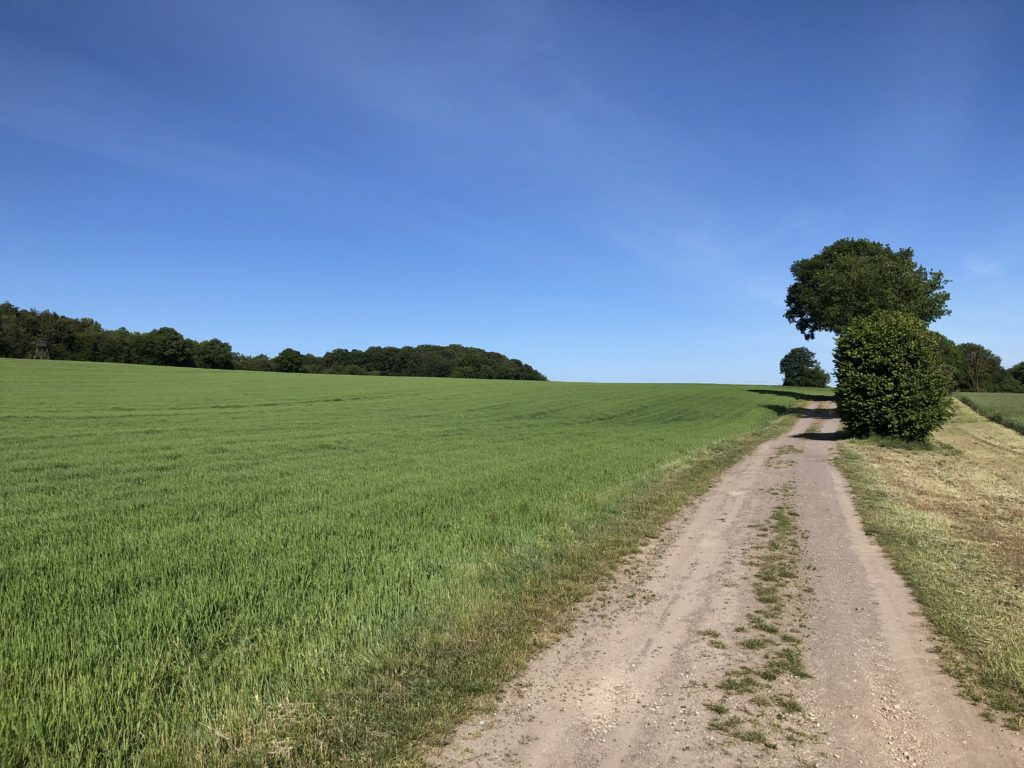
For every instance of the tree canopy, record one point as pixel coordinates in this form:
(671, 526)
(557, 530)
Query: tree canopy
(288, 360)
(84, 339)
(851, 279)
(978, 367)
(981, 370)
(800, 368)
(213, 353)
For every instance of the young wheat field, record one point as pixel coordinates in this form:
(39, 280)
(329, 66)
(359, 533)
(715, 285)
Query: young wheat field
(219, 567)
(1006, 408)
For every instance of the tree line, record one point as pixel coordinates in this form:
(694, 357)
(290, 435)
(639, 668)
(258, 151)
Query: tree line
(69, 338)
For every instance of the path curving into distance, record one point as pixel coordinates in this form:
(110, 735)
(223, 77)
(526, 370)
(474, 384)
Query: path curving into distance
(763, 628)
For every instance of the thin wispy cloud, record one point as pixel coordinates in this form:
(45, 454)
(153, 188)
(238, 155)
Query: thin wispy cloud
(386, 171)
(75, 104)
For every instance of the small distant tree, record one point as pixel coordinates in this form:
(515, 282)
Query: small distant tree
(854, 278)
(214, 353)
(980, 368)
(288, 360)
(799, 368)
(1017, 371)
(890, 377)
(164, 346)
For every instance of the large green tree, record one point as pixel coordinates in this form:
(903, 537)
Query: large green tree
(854, 278)
(799, 368)
(890, 378)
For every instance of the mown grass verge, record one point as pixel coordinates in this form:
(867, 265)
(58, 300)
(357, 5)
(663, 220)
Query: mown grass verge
(950, 520)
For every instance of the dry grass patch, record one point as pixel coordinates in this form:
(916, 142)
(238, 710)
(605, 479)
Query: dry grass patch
(973, 475)
(952, 518)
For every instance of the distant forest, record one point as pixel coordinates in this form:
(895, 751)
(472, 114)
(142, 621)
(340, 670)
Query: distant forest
(69, 338)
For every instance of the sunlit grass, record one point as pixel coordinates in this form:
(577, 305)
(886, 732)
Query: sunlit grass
(232, 568)
(951, 519)
(1006, 408)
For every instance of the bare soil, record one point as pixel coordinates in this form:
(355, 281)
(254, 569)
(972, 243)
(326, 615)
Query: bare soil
(763, 628)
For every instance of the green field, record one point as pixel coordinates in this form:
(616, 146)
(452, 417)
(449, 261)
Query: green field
(221, 567)
(1006, 408)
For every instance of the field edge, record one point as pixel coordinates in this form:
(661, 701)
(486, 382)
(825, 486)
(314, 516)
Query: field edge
(989, 413)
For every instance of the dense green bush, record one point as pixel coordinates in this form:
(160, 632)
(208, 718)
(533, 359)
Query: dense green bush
(890, 377)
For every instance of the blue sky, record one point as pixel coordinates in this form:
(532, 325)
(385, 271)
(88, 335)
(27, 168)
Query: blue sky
(609, 191)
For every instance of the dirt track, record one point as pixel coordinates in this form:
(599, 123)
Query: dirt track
(693, 658)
